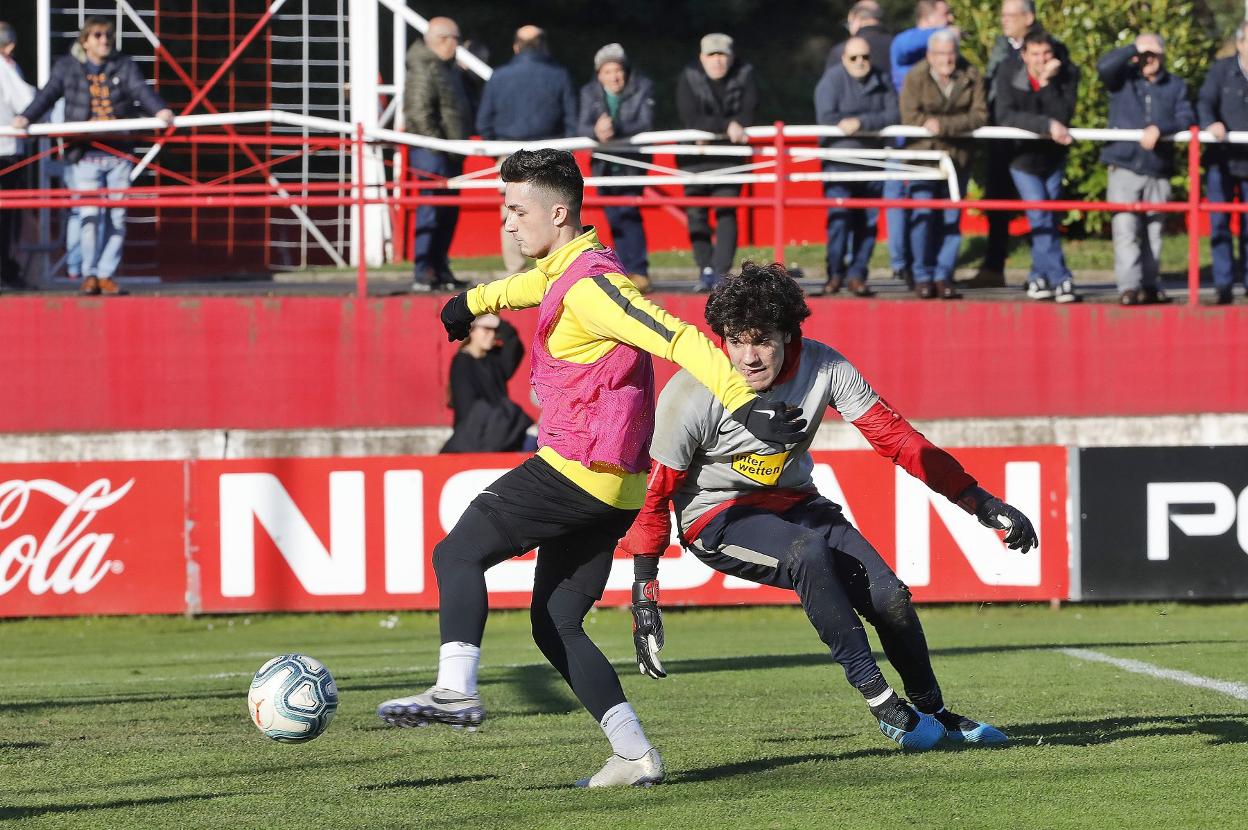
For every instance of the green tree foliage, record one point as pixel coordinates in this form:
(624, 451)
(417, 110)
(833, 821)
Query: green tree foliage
(1090, 28)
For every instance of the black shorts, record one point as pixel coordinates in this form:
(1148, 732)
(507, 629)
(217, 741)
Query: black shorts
(533, 506)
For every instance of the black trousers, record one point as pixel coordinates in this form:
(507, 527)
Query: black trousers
(814, 550)
(720, 254)
(10, 220)
(998, 184)
(533, 506)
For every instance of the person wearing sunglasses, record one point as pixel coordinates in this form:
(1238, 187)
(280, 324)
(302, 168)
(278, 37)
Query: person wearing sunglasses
(854, 97)
(1142, 96)
(98, 83)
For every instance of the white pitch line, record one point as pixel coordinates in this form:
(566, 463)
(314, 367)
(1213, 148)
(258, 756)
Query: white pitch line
(1226, 687)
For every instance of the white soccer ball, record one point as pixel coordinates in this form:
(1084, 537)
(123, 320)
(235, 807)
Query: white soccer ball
(293, 698)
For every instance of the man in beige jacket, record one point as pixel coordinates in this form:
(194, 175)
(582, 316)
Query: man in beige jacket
(946, 96)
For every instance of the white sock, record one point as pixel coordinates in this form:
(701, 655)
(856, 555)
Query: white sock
(457, 667)
(881, 697)
(624, 732)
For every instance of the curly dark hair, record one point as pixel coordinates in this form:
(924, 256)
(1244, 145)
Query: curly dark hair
(552, 170)
(759, 299)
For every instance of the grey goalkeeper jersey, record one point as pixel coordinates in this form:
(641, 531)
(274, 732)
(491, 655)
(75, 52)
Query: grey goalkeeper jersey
(724, 461)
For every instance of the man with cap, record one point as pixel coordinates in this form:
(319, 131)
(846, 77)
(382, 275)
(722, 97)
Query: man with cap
(618, 104)
(716, 94)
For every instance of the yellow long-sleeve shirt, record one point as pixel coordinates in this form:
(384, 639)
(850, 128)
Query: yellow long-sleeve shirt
(598, 316)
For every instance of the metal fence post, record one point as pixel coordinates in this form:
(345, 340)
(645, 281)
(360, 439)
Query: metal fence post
(778, 194)
(1193, 218)
(361, 274)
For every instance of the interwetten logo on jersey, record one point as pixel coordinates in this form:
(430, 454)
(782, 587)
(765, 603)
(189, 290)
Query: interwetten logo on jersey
(765, 469)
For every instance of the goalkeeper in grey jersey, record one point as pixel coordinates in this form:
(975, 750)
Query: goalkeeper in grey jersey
(750, 509)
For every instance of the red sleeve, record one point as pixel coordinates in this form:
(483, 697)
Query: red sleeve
(892, 437)
(652, 529)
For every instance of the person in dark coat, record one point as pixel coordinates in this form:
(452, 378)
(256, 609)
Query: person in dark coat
(618, 104)
(98, 83)
(1142, 96)
(863, 21)
(529, 98)
(717, 94)
(1039, 95)
(1018, 19)
(1223, 106)
(854, 96)
(485, 418)
(436, 104)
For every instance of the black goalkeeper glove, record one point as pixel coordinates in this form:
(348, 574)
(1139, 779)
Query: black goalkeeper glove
(772, 422)
(996, 514)
(456, 317)
(648, 628)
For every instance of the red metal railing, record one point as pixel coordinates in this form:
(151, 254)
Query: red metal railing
(226, 192)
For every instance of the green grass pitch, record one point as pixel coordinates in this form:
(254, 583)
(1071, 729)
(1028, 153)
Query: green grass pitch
(142, 722)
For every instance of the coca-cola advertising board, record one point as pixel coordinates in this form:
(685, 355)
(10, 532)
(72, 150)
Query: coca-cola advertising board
(98, 538)
(323, 534)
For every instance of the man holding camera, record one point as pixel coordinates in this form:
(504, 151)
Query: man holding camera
(1142, 96)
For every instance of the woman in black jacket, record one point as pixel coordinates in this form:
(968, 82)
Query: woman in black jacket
(485, 419)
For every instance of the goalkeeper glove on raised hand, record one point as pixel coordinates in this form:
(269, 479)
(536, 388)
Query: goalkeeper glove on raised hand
(648, 628)
(773, 422)
(457, 318)
(996, 514)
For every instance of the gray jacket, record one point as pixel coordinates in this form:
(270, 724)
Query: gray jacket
(872, 100)
(635, 115)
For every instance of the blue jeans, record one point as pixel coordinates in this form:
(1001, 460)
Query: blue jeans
(102, 233)
(627, 232)
(73, 243)
(435, 224)
(935, 235)
(1223, 187)
(851, 231)
(1047, 259)
(900, 255)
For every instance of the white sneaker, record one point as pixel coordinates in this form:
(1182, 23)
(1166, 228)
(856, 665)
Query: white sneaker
(1066, 293)
(621, 772)
(435, 705)
(1039, 289)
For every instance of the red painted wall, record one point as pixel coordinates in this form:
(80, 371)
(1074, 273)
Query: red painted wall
(81, 364)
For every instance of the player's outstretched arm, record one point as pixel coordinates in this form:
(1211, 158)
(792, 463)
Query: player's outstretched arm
(609, 306)
(646, 541)
(893, 437)
(518, 291)
(996, 514)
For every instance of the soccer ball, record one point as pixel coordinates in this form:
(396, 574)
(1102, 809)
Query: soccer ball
(293, 698)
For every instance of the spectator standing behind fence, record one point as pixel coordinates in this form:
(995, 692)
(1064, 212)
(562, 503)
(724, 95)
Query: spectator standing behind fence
(854, 96)
(436, 104)
(486, 419)
(716, 94)
(15, 96)
(863, 21)
(1018, 19)
(945, 95)
(616, 105)
(1039, 95)
(98, 83)
(1223, 106)
(907, 49)
(528, 99)
(1142, 96)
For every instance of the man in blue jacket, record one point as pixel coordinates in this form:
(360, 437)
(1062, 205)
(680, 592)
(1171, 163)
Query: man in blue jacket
(528, 99)
(1142, 96)
(1223, 106)
(618, 104)
(854, 96)
(98, 83)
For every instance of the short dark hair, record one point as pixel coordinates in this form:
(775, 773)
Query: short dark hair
(554, 171)
(759, 299)
(1039, 36)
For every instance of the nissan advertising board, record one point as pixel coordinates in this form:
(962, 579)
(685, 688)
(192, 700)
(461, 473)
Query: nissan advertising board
(325, 534)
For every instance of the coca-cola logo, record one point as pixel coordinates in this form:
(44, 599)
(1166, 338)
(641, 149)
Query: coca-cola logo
(66, 556)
